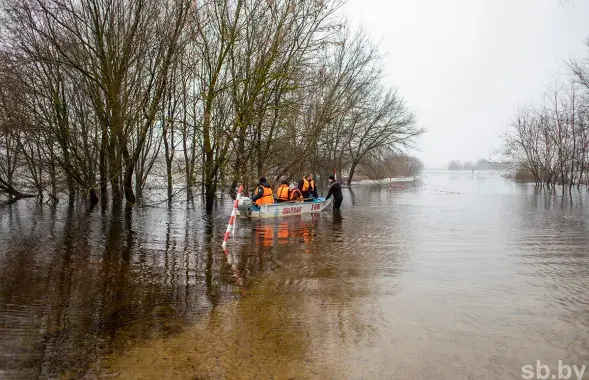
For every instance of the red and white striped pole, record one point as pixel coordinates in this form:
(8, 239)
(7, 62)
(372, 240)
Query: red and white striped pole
(232, 218)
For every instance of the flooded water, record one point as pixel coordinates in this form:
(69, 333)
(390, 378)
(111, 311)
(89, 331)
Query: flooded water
(457, 276)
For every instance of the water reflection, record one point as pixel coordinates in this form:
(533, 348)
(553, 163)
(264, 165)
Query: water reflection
(78, 284)
(300, 297)
(352, 196)
(409, 281)
(336, 226)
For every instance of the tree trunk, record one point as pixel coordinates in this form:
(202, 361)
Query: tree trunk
(53, 176)
(138, 182)
(169, 177)
(260, 159)
(189, 184)
(93, 197)
(351, 173)
(9, 180)
(114, 172)
(71, 186)
(103, 166)
(210, 190)
(240, 161)
(169, 153)
(13, 194)
(128, 176)
(128, 185)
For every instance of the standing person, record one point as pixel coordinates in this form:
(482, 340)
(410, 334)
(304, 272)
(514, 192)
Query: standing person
(282, 193)
(335, 189)
(264, 194)
(308, 188)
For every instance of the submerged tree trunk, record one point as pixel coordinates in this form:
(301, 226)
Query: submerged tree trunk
(13, 194)
(169, 156)
(351, 173)
(71, 186)
(169, 180)
(93, 197)
(128, 185)
(103, 164)
(138, 182)
(209, 195)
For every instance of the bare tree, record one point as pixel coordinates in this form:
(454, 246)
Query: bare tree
(117, 92)
(550, 141)
(385, 125)
(116, 55)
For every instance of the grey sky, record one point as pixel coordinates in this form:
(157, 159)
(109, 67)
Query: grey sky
(464, 65)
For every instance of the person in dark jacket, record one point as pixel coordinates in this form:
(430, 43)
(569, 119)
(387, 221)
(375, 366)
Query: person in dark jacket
(335, 189)
(264, 193)
(308, 188)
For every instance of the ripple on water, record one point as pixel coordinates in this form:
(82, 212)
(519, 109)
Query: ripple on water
(407, 282)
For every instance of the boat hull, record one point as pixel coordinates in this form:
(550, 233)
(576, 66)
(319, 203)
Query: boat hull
(278, 210)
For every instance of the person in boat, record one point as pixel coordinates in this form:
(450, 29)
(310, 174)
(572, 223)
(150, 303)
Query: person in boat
(264, 194)
(308, 188)
(282, 193)
(295, 193)
(335, 189)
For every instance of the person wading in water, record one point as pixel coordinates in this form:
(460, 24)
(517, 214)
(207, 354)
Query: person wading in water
(335, 189)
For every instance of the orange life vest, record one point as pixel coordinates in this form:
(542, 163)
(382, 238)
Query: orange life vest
(282, 193)
(296, 195)
(308, 185)
(266, 198)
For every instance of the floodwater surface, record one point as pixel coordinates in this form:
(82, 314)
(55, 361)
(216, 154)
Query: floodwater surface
(455, 276)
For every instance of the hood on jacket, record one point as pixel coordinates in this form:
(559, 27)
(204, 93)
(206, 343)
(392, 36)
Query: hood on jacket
(263, 182)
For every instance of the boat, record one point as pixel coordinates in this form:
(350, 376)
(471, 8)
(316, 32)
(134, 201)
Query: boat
(276, 210)
(244, 202)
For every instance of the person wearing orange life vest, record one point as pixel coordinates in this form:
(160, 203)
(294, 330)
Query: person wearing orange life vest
(282, 193)
(264, 194)
(308, 188)
(295, 193)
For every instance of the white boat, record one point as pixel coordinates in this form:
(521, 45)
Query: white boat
(276, 210)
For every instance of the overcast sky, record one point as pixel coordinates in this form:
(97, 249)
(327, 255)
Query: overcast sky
(465, 65)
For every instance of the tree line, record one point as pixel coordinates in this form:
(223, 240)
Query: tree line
(107, 98)
(549, 142)
(481, 164)
(381, 167)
